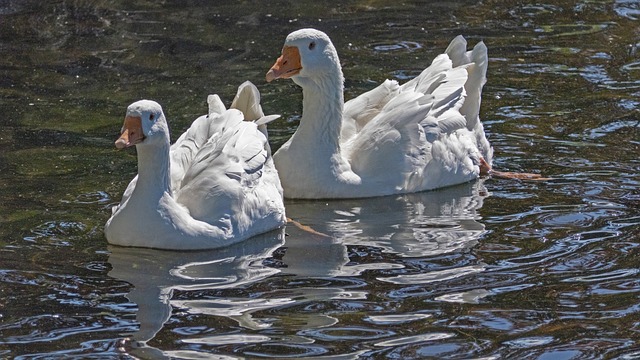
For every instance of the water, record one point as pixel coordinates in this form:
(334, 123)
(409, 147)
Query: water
(493, 269)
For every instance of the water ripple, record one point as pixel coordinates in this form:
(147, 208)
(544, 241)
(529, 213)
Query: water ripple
(228, 339)
(283, 350)
(434, 276)
(415, 339)
(531, 10)
(46, 328)
(439, 350)
(625, 222)
(57, 232)
(592, 347)
(612, 127)
(572, 29)
(97, 197)
(632, 66)
(528, 342)
(467, 297)
(395, 318)
(601, 278)
(346, 333)
(559, 249)
(402, 45)
(627, 8)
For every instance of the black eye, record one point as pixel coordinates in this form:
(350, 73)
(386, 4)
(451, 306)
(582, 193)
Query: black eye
(151, 117)
(312, 45)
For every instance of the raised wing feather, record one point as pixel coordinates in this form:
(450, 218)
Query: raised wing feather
(392, 142)
(186, 147)
(457, 51)
(360, 110)
(430, 77)
(247, 100)
(398, 139)
(191, 142)
(232, 172)
(228, 165)
(449, 96)
(250, 146)
(477, 61)
(223, 143)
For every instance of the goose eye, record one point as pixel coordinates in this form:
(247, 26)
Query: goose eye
(312, 45)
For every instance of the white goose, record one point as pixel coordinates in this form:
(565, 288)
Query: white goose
(215, 186)
(422, 135)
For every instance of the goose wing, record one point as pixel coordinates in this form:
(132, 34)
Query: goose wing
(231, 175)
(398, 140)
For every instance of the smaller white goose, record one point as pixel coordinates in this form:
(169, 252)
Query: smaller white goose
(215, 186)
(422, 135)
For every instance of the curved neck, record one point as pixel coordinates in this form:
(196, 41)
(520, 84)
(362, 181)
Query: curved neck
(322, 106)
(153, 169)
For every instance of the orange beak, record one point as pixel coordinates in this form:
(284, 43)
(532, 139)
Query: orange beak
(287, 65)
(131, 132)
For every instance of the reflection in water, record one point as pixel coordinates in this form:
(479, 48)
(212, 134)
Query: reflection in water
(411, 225)
(155, 274)
(406, 226)
(363, 235)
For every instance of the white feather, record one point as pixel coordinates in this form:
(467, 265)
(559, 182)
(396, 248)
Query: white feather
(421, 135)
(215, 186)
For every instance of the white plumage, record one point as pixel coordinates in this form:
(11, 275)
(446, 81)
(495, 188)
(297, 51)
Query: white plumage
(422, 135)
(215, 186)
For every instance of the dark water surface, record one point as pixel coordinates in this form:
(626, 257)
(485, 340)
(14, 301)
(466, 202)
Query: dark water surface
(493, 269)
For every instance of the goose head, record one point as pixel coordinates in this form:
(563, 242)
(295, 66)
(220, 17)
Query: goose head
(144, 124)
(307, 55)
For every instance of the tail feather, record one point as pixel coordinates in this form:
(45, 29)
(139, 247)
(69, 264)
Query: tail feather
(457, 51)
(247, 100)
(477, 78)
(216, 106)
(477, 69)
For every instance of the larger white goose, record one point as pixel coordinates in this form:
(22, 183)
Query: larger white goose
(422, 135)
(215, 186)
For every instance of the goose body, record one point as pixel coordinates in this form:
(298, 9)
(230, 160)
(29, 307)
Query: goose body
(215, 186)
(422, 135)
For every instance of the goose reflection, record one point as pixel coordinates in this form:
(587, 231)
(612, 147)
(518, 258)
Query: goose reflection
(411, 225)
(312, 266)
(155, 274)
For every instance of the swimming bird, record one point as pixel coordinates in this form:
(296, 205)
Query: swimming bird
(217, 185)
(421, 135)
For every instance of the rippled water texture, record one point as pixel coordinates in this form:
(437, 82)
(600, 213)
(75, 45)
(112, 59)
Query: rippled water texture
(493, 269)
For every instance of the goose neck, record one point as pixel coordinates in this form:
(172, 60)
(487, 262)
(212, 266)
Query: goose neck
(323, 104)
(153, 169)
